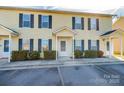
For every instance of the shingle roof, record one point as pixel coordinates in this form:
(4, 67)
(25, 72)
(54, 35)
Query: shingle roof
(54, 8)
(109, 32)
(9, 29)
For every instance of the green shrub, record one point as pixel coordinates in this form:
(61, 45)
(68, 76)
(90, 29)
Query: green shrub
(90, 54)
(19, 55)
(34, 55)
(49, 55)
(78, 54)
(100, 53)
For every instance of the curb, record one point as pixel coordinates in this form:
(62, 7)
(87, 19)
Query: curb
(54, 65)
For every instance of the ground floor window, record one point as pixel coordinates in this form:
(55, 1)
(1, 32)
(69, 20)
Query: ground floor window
(93, 45)
(45, 44)
(107, 45)
(26, 44)
(6, 45)
(78, 45)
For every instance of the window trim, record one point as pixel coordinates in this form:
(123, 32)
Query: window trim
(95, 45)
(79, 23)
(93, 24)
(26, 42)
(43, 44)
(78, 41)
(29, 15)
(42, 21)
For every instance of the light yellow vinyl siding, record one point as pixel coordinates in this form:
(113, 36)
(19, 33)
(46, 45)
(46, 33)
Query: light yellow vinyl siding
(10, 18)
(119, 24)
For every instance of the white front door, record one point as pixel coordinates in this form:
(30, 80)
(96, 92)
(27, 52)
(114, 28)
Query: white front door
(5, 49)
(63, 48)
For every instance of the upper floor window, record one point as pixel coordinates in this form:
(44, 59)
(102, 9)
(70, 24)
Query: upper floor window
(45, 21)
(93, 24)
(26, 20)
(78, 23)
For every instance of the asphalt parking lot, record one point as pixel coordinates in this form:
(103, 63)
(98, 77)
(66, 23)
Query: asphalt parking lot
(86, 75)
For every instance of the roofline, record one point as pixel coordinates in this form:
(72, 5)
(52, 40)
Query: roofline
(112, 32)
(52, 11)
(11, 31)
(63, 28)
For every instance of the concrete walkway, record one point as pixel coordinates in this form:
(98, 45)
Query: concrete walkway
(4, 65)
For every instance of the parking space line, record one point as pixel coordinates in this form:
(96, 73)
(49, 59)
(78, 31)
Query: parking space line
(106, 71)
(99, 68)
(60, 75)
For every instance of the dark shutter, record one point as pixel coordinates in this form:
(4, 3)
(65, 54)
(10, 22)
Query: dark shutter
(39, 21)
(97, 24)
(20, 44)
(32, 21)
(82, 23)
(74, 44)
(97, 44)
(31, 44)
(89, 24)
(50, 44)
(20, 19)
(89, 44)
(73, 22)
(82, 45)
(50, 21)
(39, 45)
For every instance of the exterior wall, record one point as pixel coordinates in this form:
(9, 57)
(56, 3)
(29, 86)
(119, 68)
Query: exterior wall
(123, 43)
(119, 24)
(10, 18)
(117, 46)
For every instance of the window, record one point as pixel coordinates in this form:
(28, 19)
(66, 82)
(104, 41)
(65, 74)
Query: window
(6, 45)
(45, 22)
(93, 24)
(93, 45)
(108, 46)
(63, 46)
(45, 44)
(26, 44)
(77, 44)
(26, 20)
(78, 23)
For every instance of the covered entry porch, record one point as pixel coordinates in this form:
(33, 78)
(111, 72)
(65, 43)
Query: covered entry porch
(6, 35)
(64, 41)
(114, 43)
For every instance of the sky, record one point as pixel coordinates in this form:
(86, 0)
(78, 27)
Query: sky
(75, 4)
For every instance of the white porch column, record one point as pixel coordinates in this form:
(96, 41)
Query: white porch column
(9, 58)
(73, 48)
(56, 48)
(112, 44)
(121, 45)
(110, 47)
